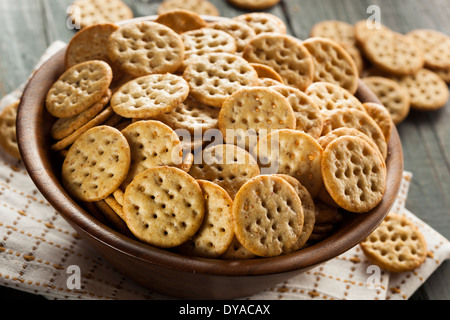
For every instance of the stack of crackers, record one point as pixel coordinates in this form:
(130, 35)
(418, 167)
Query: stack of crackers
(228, 139)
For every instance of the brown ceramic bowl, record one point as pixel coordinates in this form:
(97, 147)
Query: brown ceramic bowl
(164, 271)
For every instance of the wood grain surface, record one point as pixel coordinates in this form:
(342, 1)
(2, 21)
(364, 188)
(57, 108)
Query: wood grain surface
(30, 26)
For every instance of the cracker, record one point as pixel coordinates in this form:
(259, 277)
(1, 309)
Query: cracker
(393, 52)
(251, 113)
(217, 231)
(205, 40)
(267, 82)
(381, 116)
(332, 63)
(262, 22)
(201, 7)
(397, 245)
(70, 139)
(307, 114)
(64, 127)
(293, 153)
(78, 88)
(339, 31)
(435, 46)
(213, 77)
(236, 251)
(309, 211)
(180, 20)
(352, 118)
(115, 205)
(267, 216)
(265, 71)
(85, 13)
(187, 162)
(364, 28)
(163, 206)
(325, 213)
(118, 196)
(285, 54)
(330, 97)
(146, 47)
(392, 95)
(112, 218)
(191, 115)
(241, 32)
(353, 174)
(152, 144)
(254, 4)
(149, 96)
(226, 165)
(96, 164)
(427, 91)
(443, 73)
(8, 138)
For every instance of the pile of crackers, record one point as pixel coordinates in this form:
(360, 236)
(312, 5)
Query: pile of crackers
(228, 139)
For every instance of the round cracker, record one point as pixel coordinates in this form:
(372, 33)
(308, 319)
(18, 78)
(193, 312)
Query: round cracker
(96, 164)
(262, 22)
(86, 13)
(241, 32)
(381, 116)
(254, 4)
(163, 206)
(8, 138)
(435, 46)
(264, 71)
(180, 20)
(202, 7)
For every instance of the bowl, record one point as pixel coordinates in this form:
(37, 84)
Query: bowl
(163, 271)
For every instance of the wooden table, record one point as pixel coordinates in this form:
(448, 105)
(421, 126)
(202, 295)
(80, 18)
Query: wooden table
(30, 26)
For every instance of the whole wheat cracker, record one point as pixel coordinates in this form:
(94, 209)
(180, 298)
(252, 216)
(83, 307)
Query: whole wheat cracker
(262, 22)
(435, 46)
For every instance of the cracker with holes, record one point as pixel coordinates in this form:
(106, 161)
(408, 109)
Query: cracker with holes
(241, 32)
(78, 88)
(86, 13)
(192, 116)
(142, 48)
(8, 139)
(267, 216)
(213, 77)
(152, 144)
(363, 29)
(64, 127)
(435, 46)
(285, 54)
(397, 245)
(353, 174)
(216, 232)
(180, 20)
(427, 91)
(262, 22)
(294, 153)
(352, 118)
(392, 95)
(205, 40)
(149, 96)
(251, 113)
(329, 97)
(381, 116)
(163, 206)
(202, 7)
(332, 63)
(309, 211)
(307, 114)
(393, 52)
(226, 165)
(96, 164)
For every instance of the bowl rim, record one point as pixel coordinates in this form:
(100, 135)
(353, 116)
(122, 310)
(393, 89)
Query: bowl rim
(45, 180)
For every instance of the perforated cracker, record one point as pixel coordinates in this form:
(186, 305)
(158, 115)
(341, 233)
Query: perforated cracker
(214, 77)
(152, 144)
(202, 7)
(262, 22)
(381, 116)
(236, 251)
(251, 113)
(267, 216)
(352, 118)
(78, 88)
(330, 97)
(397, 245)
(149, 96)
(8, 138)
(353, 174)
(217, 231)
(180, 20)
(332, 63)
(163, 206)
(392, 95)
(241, 32)
(96, 164)
(226, 165)
(307, 114)
(89, 12)
(146, 47)
(435, 46)
(294, 153)
(285, 54)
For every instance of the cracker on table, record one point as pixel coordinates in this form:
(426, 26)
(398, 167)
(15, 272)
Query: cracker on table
(202, 7)
(435, 46)
(85, 13)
